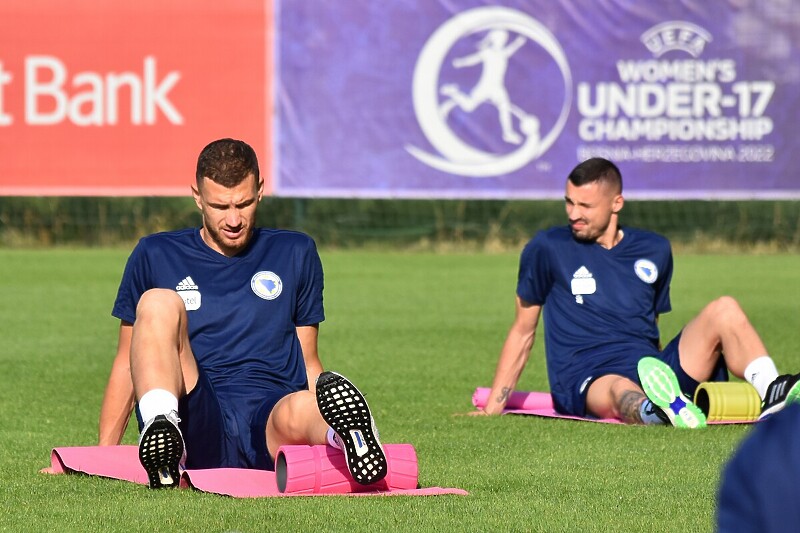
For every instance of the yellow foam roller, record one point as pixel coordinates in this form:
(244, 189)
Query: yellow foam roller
(728, 401)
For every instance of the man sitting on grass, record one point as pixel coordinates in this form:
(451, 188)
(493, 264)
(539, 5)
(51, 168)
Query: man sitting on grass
(602, 287)
(218, 340)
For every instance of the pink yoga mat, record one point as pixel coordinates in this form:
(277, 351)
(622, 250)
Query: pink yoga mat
(531, 403)
(541, 404)
(122, 462)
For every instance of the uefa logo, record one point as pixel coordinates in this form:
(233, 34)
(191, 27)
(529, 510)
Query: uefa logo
(488, 41)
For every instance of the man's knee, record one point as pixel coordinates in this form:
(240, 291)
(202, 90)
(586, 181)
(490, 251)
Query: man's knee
(726, 310)
(159, 303)
(727, 304)
(290, 415)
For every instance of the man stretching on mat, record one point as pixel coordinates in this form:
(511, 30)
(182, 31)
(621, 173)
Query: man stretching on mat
(602, 287)
(218, 341)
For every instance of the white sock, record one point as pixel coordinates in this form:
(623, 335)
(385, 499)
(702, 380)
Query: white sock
(333, 439)
(157, 402)
(760, 373)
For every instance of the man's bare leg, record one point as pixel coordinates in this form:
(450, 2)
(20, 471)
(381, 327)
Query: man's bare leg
(163, 368)
(615, 396)
(295, 419)
(720, 330)
(161, 357)
(723, 330)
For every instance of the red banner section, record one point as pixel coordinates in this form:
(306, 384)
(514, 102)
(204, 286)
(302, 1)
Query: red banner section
(118, 98)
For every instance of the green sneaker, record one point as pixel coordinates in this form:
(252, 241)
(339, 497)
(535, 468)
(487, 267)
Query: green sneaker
(660, 384)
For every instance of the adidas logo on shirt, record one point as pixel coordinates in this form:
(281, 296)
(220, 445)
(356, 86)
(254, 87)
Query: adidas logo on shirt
(186, 284)
(188, 290)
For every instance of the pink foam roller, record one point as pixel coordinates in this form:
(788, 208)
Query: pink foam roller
(517, 400)
(322, 469)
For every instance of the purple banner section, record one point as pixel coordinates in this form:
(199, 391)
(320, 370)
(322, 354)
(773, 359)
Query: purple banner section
(476, 99)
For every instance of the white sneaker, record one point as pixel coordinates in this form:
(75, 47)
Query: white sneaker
(162, 451)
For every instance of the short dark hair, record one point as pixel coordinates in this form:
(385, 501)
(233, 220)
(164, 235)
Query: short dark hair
(227, 162)
(596, 169)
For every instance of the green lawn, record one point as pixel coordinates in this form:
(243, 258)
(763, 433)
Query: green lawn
(417, 332)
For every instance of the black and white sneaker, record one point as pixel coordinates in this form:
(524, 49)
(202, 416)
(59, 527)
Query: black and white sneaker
(345, 410)
(162, 451)
(782, 391)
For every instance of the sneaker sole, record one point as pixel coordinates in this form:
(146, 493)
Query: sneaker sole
(160, 452)
(661, 386)
(346, 411)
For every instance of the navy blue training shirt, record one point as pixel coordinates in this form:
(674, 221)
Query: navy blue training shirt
(600, 305)
(242, 310)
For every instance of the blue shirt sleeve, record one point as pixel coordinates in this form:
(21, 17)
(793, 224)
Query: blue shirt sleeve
(535, 275)
(662, 301)
(310, 309)
(133, 284)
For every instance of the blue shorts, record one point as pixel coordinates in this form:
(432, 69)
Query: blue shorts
(628, 369)
(221, 434)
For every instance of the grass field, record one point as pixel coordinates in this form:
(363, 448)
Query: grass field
(417, 332)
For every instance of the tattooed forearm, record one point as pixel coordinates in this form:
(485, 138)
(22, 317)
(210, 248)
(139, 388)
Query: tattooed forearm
(629, 406)
(504, 393)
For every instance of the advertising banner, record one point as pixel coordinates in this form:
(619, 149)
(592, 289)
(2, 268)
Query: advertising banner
(118, 98)
(476, 99)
